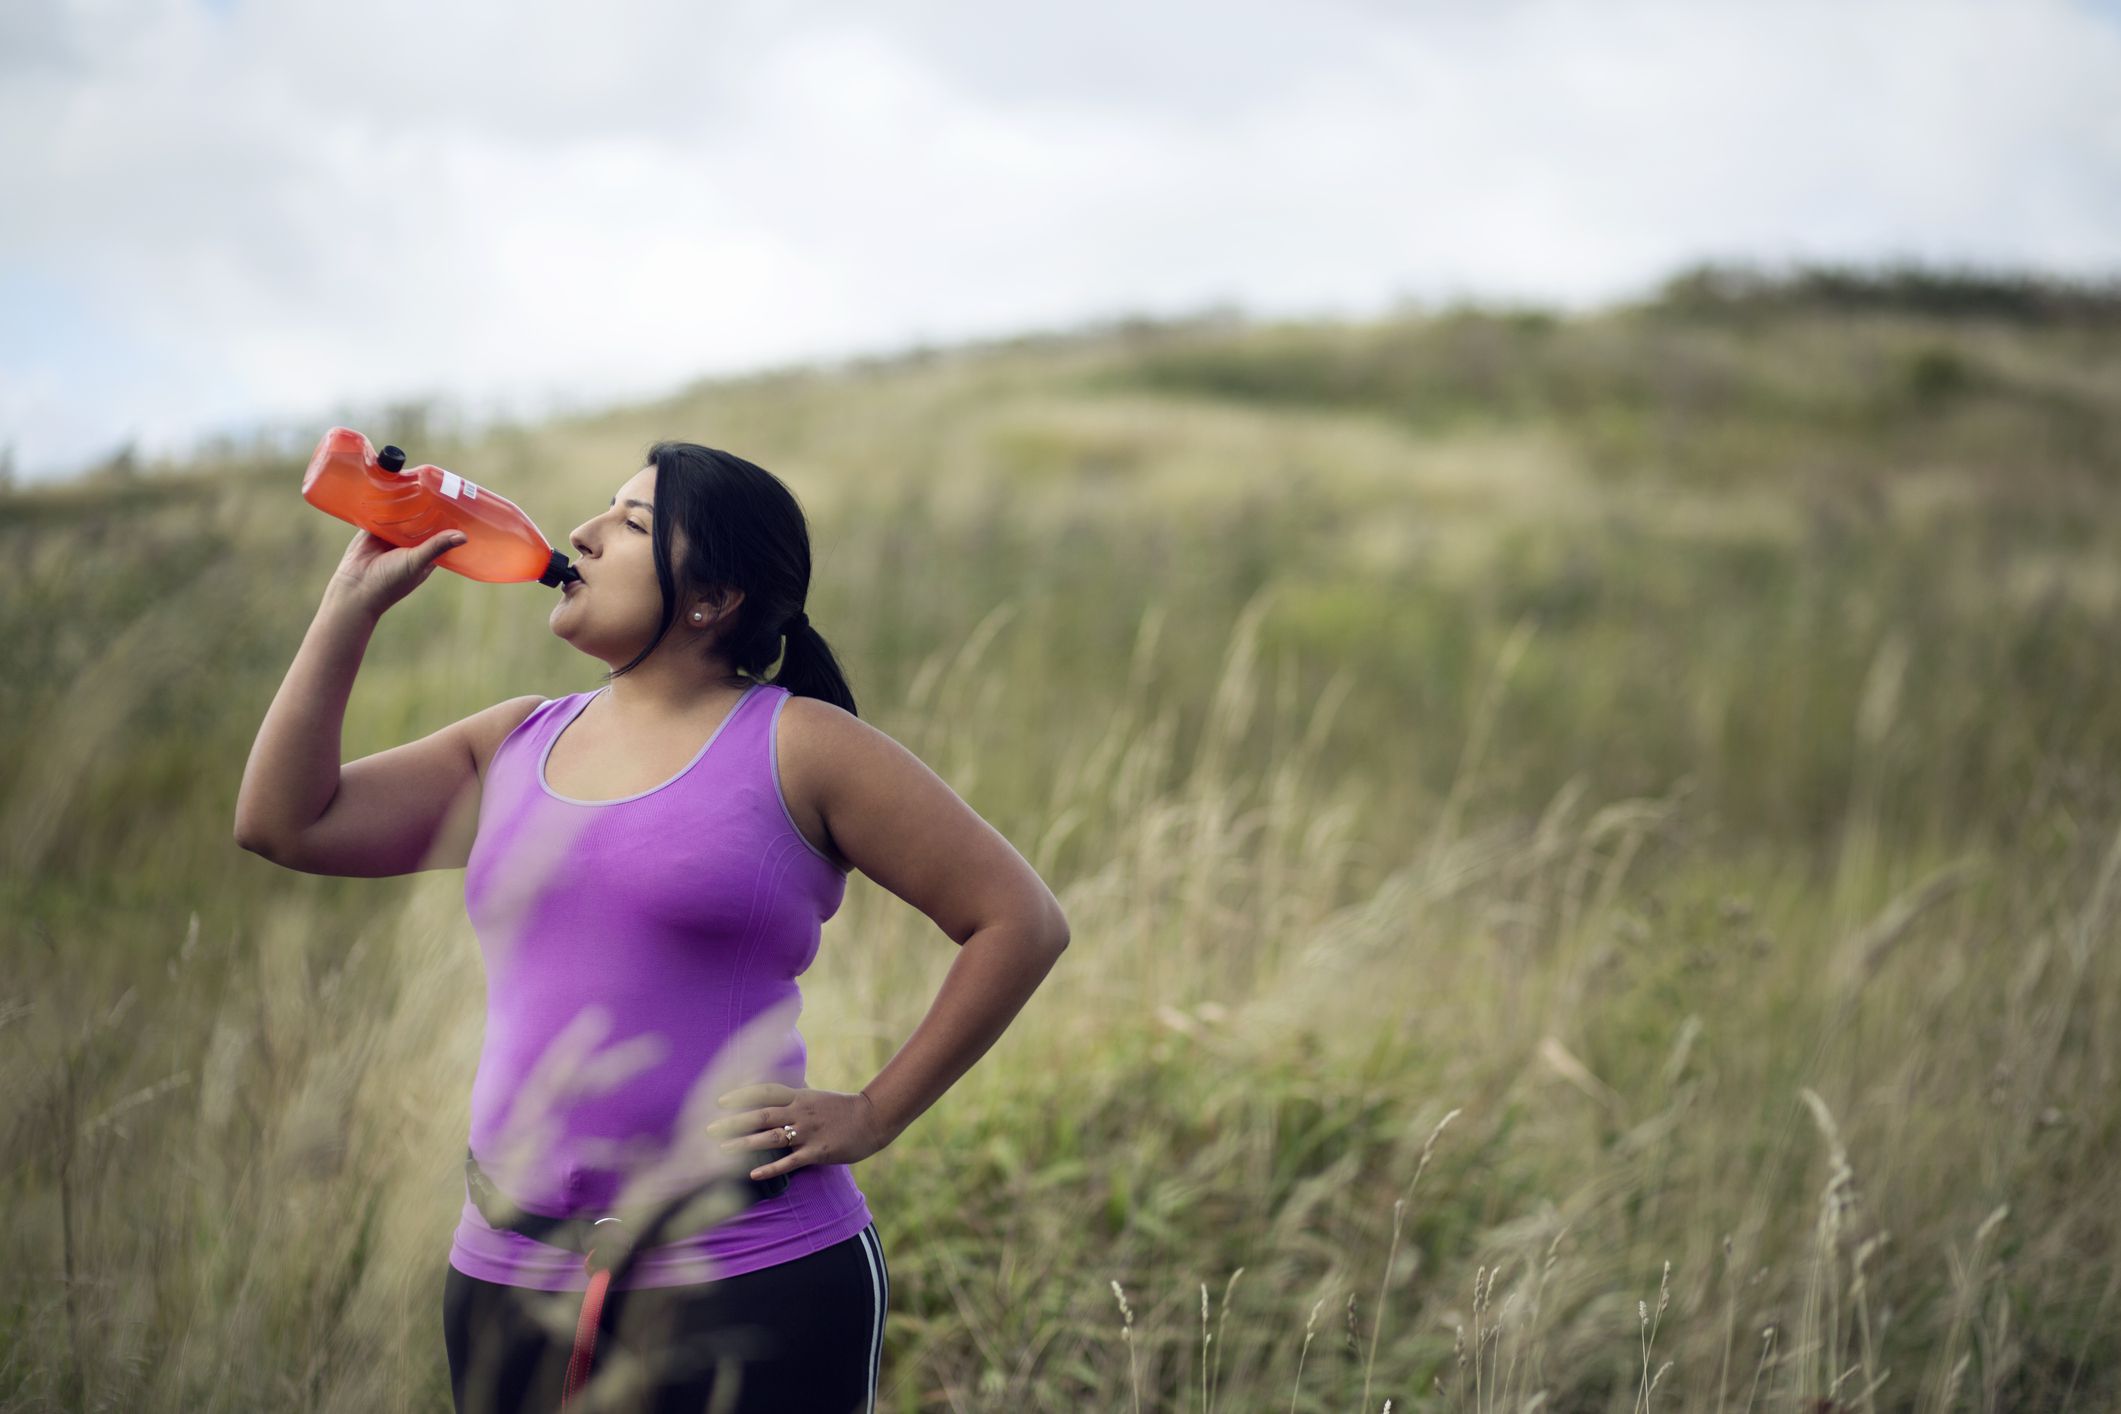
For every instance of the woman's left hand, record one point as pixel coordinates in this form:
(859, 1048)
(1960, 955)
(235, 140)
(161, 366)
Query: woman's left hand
(831, 1127)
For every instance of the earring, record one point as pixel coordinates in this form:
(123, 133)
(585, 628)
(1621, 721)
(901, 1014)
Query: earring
(695, 615)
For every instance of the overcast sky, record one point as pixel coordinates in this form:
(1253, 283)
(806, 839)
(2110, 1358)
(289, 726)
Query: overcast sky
(215, 211)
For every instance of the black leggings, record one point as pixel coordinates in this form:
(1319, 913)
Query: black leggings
(805, 1337)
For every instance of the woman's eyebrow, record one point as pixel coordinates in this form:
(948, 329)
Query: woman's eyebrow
(644, 505)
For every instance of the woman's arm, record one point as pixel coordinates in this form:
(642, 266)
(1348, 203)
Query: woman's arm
(899, 823)
(390, 813)
(997, 969)
(293, 770)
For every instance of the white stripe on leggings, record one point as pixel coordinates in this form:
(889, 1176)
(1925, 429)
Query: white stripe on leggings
(880, 1288)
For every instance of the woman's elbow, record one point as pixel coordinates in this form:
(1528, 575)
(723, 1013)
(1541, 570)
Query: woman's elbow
(1055, 927)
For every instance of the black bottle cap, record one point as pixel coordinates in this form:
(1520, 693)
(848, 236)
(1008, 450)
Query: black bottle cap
(558, 572)
(392, 459)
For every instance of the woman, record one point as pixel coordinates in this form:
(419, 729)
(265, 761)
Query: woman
(659, 1213)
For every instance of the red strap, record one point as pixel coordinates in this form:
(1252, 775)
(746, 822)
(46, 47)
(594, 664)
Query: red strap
(585, 1335)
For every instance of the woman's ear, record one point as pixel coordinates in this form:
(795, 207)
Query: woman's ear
(707, 610)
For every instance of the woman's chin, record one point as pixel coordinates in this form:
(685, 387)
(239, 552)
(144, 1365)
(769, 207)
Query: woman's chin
(566, 634)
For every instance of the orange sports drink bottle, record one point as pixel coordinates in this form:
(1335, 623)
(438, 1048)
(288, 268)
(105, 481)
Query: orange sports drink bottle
(376, 491)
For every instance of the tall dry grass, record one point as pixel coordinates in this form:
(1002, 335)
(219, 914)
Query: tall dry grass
(1565, 940)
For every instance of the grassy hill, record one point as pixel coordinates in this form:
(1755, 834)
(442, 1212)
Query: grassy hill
(1652, 774)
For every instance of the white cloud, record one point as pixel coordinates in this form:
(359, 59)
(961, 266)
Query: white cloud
(265, 209)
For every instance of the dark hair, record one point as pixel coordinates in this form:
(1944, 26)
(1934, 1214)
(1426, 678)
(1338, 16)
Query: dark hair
(743, 530)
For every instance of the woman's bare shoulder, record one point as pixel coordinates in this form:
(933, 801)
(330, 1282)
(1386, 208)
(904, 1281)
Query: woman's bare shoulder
(890, 815)
(484, 731)
(817, 743)
(829, 734)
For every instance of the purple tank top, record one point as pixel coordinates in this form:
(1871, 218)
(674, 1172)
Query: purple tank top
(641, 960)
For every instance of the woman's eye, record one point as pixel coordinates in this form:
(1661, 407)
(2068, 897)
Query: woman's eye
(631, 526)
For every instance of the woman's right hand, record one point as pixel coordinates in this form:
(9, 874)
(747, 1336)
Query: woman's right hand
(375, 574)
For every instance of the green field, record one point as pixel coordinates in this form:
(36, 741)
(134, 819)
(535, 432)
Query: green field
(1662, 765)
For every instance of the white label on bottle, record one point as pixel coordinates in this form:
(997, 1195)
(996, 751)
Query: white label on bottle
(450, 482)
(471, 492)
